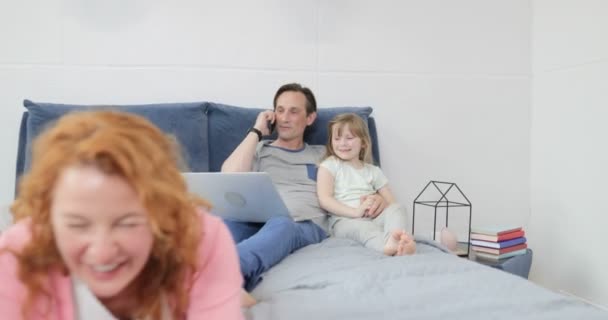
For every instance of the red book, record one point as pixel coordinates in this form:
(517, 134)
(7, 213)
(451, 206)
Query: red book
(500, 251)
(502, 237)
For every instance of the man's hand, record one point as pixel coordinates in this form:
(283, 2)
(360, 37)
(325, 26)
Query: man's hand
(377, 205)
(261, 122)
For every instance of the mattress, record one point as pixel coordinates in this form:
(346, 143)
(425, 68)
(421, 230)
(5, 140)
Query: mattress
(340, 279)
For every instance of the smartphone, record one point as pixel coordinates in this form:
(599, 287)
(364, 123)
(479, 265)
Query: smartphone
(271, 126)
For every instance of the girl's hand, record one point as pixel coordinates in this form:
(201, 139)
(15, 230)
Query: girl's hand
(364, 207)
(376, 207)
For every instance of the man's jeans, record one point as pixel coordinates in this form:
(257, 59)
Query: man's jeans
(262, 245)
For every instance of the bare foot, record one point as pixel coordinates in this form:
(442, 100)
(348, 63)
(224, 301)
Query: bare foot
(247, 300)
(392, 244)
(407, 245)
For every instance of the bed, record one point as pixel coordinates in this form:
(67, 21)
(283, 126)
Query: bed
(338, 278)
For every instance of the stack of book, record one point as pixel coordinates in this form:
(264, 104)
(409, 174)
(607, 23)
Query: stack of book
(498, 242)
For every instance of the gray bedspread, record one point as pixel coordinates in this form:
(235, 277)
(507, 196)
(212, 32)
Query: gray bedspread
(339, 279)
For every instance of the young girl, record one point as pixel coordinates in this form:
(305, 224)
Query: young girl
(346, 176)
(106, 229)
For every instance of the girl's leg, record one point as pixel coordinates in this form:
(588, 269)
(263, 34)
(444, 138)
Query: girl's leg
(394, 217)
(363, 231)
(394, 223)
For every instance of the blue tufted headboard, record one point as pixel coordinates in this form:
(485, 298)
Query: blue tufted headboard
(207, 132)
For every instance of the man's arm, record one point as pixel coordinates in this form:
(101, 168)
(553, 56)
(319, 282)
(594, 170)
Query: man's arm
(241, 159)
(381, 199)
(386, 193)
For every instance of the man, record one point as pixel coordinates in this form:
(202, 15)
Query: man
(292, 166)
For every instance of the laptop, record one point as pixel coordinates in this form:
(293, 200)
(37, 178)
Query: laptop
(241, 196)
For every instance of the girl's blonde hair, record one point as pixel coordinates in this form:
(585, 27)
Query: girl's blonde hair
(357, 127)
(131, 147)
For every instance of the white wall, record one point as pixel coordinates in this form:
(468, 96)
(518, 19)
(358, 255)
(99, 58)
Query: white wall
(449, 81)
(450, 86)
(569, 154)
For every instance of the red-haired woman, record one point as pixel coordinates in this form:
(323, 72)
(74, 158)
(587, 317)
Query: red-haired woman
(105, 225)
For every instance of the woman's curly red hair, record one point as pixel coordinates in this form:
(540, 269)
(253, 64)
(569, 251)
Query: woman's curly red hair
(129, 146)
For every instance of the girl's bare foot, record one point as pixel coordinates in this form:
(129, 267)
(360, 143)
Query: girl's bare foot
(407, 245)
(247, 300)
(392, 244)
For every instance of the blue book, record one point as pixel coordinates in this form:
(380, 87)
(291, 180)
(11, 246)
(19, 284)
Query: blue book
(500, 244)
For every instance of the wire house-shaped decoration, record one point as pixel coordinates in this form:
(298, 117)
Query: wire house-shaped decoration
(448, 192)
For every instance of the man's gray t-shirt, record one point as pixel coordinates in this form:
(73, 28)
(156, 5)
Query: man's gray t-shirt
(294, 173)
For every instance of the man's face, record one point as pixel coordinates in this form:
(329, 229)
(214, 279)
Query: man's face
(290, 116)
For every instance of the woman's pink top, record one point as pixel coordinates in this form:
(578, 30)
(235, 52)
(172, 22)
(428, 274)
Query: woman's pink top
(215, 293)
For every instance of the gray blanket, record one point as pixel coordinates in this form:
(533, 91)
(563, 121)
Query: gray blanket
(339, 279)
